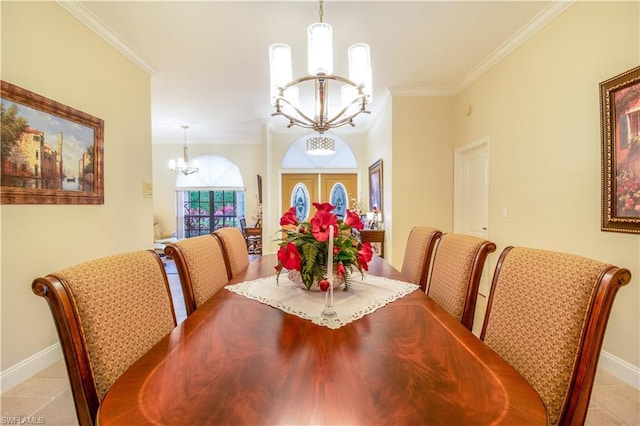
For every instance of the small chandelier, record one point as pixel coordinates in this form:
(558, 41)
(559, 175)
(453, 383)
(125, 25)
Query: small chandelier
(181, 165)
(321, 145)
(356, 91)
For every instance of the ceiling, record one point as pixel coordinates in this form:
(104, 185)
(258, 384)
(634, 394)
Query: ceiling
(209, 62)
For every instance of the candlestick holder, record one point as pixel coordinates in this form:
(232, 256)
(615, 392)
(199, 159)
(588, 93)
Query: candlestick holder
(328, 311)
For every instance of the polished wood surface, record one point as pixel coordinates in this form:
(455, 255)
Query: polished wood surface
(237, 361)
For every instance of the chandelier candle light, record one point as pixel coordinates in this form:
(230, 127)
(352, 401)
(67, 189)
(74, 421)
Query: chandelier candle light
(356, 91)
(182, 164)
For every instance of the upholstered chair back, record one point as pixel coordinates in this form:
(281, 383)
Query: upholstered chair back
(201, 268)
(108, 313)
(234, 247)
(417, 254)
(546, 316)
(456, 272)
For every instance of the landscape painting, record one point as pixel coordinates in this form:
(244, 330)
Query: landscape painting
(51, 153)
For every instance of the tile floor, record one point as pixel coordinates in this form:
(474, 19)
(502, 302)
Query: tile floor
(45, 398)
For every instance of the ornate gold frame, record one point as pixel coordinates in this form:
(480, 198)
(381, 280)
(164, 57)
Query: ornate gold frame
(33, 169)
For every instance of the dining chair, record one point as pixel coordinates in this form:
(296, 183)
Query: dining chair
(546, 316)
(234, 248)
(417, 254)
(201, 268)
(456, 272)
(108, 313)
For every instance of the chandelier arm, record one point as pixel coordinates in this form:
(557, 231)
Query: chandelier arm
(293, 121)
(336, 118)
(318, 77)
(348, 120)
(322, 123)
(309, 121)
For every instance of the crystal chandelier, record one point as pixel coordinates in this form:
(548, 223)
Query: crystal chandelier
(181, 165)
(356, 90)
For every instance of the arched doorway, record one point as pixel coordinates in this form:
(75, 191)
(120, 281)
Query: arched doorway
(210, 199)
(331, 178)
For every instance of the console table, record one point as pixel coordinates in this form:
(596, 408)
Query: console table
(254, 240)
(373, 236)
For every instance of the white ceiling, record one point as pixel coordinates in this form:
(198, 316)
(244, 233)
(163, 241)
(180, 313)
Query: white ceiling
(209, 60)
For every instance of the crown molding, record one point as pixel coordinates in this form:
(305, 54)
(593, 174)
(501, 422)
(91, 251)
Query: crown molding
(548, 14)
(529, 29)
(84, 15)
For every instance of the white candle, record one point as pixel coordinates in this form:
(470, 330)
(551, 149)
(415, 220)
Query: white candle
(330, 258)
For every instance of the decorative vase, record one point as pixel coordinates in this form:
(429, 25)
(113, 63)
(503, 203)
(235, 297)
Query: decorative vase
(296, 277)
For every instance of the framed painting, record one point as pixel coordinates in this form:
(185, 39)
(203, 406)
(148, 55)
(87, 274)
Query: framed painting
(51, 153)
(620, 133)
(375, 186)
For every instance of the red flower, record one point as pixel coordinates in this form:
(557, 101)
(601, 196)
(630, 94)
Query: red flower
(289, 218)
(289, 257)
(353, 220)
(364, 255)
(304, 244)
(320, 224)
(324, 207)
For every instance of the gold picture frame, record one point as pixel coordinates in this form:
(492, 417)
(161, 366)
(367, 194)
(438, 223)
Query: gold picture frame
(51, 153)
(375, 186)
(620, 134)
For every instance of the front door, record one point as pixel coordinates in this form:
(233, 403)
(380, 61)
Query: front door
(303, 189)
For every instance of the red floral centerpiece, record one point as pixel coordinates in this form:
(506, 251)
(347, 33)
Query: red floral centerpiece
(304, 247)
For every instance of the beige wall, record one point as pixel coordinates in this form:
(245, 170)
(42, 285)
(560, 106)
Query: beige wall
(540, 109)
(422, 169)
(379, 146)
(47, 51)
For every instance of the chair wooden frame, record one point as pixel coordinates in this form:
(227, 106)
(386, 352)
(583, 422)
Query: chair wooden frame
(225, 249)
(479, 258)
(184, 274)
(73, 343)
(432, 239)
(576, 401)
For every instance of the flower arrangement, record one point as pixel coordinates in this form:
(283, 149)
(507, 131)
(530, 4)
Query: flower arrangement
(305, 245)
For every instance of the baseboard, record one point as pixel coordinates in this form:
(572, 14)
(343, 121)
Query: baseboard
(26, 368)
(620, 368)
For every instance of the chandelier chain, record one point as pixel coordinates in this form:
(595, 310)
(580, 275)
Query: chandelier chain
(321, 10)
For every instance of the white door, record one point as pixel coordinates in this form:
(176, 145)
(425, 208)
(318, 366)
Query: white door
(471, 195)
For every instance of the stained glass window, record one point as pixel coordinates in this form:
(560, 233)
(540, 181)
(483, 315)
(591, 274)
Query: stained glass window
(301, 200)
(339, 199)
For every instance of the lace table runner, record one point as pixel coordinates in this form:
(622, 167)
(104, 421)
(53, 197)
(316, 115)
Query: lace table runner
(363, 297)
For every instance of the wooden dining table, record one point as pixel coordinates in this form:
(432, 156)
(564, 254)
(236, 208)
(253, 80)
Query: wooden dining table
(241, 362)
